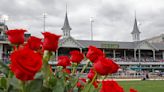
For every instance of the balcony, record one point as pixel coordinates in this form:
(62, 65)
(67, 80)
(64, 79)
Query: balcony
(141, 63)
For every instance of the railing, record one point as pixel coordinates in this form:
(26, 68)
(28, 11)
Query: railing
(3, 38)
(141, 63)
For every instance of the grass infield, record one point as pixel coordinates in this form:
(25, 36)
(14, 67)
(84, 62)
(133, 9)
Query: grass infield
(143, 86)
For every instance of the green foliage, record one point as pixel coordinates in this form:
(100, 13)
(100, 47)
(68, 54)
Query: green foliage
(4, 68)
(34, 85)
(59, 87)
(3, 83)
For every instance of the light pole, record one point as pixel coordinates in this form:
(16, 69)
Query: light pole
(91, 20)
(44, 21)
(5, 18)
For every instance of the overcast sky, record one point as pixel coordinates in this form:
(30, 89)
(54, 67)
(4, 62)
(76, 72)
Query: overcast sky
(113, 19)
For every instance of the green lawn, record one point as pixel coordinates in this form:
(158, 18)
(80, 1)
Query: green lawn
(143, 86)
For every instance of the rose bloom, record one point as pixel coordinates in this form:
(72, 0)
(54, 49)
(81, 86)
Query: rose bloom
(81, 82)
(132, 90)
(76, 56)
(34, 43)
(63, 61)
(66, 71)
(104, 66)
(114, 67)
(91, 74)
(25, 63)
(16, 36)
(50, 41)
(111, 86)
(95, 84)
(93, 53)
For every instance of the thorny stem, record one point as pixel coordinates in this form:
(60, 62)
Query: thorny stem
(92, 81)
(85, 66)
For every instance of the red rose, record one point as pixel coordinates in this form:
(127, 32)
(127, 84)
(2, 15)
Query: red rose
(132, 90)
(111, 86)
(50, 41)
(91, 74)
(81, 82)
(63, 61)
(66, 71)
(76, 56)
(34, 43)
(16, 36)
(93, 53)
(25, 63)
(104, 66)
(114, 67)
(95, 84)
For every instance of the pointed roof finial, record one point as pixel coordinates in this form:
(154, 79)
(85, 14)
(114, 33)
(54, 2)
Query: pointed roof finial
(66, 6)
(135, 27)
(135, 14)
(66, 25)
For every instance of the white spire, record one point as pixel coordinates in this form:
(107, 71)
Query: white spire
(66, 27)
(135, 33)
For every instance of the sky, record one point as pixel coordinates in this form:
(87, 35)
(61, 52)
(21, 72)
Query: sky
(113, 19)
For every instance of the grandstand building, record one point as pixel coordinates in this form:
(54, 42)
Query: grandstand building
(139, 54)
(145, 54)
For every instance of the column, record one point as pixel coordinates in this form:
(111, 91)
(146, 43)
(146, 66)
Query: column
(114, 54)
(125, 55)
(104, 51)
(1, 51)
(154, 55)
(163, 55)
(135, 55)
(139, 55)
(81, 50)
(57, 54)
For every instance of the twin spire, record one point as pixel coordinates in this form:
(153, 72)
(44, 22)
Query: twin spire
(135, 32)
(66, 27)
(135, 27)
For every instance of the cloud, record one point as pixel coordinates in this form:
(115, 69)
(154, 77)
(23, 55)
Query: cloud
(113, 19)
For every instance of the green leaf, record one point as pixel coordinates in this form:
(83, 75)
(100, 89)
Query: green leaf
(3, 83)
(4, 68)
(38, 75)
(34, 85)
(12, 89)
(52, 81)
(75, 90)
(14, 82)
(73, 81)
(44, 89)
(93, 89)
(87, 87)
(1, 90)
(59, 87)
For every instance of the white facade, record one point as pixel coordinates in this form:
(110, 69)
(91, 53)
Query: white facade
(1, 51)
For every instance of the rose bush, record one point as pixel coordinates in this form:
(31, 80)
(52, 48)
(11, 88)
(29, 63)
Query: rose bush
(29, 69)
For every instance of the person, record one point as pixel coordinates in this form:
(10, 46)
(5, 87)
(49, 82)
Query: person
(147, 76)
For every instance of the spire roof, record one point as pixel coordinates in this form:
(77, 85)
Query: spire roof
(66, 25)
(135, 27)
